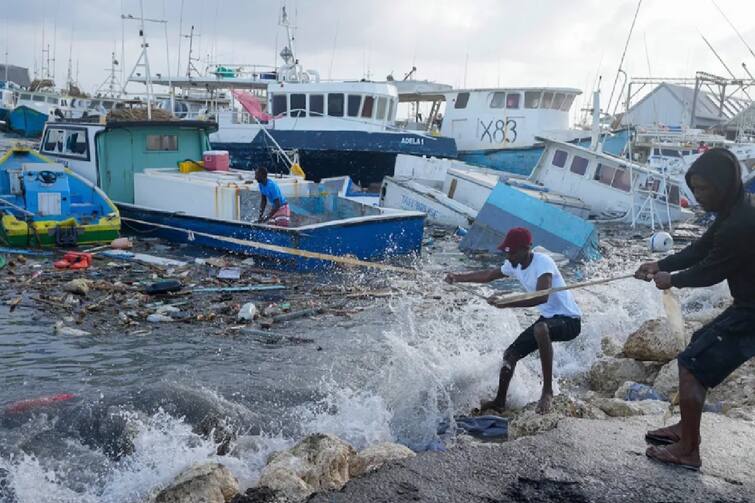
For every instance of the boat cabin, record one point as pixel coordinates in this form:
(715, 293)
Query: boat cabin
(505, 118)
(612, 187)
(127, 148)
(329, 106)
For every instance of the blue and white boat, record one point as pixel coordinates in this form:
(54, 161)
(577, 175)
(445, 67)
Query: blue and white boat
(333, 128)
(140, 165)
(498, 128)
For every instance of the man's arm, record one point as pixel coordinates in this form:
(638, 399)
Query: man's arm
(485, 276)
(544, 282)
(690, 255)
(721, 261)
(263, 204)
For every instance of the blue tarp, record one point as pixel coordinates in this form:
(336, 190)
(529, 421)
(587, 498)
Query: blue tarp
(551, 227)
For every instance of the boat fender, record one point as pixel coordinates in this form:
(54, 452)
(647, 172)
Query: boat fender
(661, 242)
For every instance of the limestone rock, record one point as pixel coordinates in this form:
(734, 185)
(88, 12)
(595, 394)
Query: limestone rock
(609, 346)
(528, 422)
(608, 373)
(319, 462)
(738, 390)
(206, 483)
(654, 341)
(78, 286)
(667, 380)
(615, 407)
(374, 456)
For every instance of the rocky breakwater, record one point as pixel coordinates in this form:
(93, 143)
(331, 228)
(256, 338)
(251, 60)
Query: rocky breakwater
(319, 462)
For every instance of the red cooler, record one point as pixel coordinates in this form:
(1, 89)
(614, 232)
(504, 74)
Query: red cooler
(216, 160)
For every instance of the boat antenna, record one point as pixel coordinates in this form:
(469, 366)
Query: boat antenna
(734, 28)
(623, 55)
(333, 52)
(724, 64)
(180, 36)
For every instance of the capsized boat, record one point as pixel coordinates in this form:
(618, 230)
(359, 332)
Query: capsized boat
(140, 165)
(42, 203)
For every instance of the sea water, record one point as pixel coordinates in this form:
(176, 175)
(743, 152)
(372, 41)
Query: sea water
(390, 373)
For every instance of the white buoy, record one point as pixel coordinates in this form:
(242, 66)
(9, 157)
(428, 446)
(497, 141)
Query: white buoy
(661, 242)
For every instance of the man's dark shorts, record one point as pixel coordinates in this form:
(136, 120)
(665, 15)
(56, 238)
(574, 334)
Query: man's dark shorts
(717, 349)
(560, 328)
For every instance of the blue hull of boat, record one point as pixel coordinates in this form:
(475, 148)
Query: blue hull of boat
(365, 157)
(27, 121)
(523, 161)
(551, 227)
(398, 235)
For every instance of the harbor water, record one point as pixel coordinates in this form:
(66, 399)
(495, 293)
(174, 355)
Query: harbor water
(145, 407)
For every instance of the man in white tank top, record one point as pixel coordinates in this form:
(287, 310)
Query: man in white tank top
(560, 317)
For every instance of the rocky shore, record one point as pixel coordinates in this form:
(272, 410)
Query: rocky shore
(589, 447)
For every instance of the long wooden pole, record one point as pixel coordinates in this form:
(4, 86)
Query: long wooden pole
(509, 299)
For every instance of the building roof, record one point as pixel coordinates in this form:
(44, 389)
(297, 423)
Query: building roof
(706, 106)
(16, 74)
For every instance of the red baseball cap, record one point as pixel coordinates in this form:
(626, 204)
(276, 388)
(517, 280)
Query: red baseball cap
(516, 239)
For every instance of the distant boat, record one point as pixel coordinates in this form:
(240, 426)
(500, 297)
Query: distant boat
(44, 204)
(140, 165)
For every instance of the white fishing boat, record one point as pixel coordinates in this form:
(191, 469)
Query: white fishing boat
(498, 128)
(452, 192)
(613, 188)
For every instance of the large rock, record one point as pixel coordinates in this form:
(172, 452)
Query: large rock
(655, 341)
(528, 422)
(374, 456)
(206, 483)
(615, 407)
(608, 373)
(320, 462)
(738, 390)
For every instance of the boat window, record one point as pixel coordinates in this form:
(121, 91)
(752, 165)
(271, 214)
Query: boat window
(621, 180)
(37, 98)
(604, 174)
(498, 100)
(316, 105)
(461, 100)
(298, 105)
(52, 100)
(656, 151)
(567, 103)
(579, 165)
(381, 108)
(164, 143)
(559, 158)
(673, 194)
(512, 100)
(24, 96)
(668, 152)
(76, 143)
(94, 104)
(532, 99)
(368, 106)
(547, 100)
(280, 105)
(53, 141)
(558, 101)
(352, 106)
(391, 110)
(335, 105)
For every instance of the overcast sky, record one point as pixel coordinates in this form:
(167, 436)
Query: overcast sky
(503, 42)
